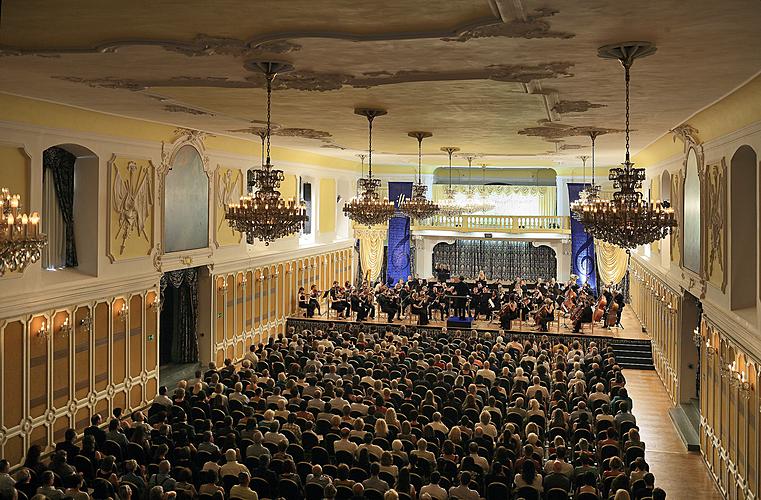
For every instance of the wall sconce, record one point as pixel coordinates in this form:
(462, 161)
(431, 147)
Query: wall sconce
(43, 332)
(738, 380)
(156, 304)
(223, 287)
(696, 338)
(243, 281)
(64, 328)
(122, 313)
(710, 350)
(85, 322)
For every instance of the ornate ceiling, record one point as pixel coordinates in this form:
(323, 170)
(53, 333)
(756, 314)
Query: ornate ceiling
(517, 80)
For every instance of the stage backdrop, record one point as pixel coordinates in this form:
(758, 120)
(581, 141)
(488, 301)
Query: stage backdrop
(398, 235)
(582, 245)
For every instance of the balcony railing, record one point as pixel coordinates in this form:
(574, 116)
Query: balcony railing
(497, 223)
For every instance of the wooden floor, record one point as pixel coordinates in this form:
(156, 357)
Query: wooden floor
(680, 473)
(631, 325)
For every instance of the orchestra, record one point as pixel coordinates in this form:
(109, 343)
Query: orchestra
(539, 303)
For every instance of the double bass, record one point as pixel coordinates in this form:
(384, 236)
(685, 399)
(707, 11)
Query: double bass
(602, 303)
(570, 298)
(612, 318)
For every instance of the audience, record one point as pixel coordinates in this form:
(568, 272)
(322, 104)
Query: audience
(403, 412)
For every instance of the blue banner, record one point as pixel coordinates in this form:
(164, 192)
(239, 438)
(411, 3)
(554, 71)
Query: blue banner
(582, 244)
(398, 236)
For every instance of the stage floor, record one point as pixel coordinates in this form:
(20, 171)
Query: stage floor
(632, 329)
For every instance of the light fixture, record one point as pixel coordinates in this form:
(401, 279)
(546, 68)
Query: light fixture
(20, 239)
(471, 202)
(368, 207)
(627, 220)
(485, 205)
(43, 332)
(86, 322)
(418, 207)
(155, 304)
(64, 329)
(448, 205)
(263, 215)
(589, 197)
(122, 312)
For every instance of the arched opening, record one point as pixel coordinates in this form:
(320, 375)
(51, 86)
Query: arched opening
(186, 202)
(691, 219)
(743, 242)
(666, 197)
(70, 208)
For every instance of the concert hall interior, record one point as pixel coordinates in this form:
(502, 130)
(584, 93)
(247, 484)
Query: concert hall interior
(396, 249)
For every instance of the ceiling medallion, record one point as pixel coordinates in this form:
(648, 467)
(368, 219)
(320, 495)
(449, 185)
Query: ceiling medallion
(21, 241)
(628, 220)
(368, 207)
(263, 215)
(418, 207)
(448, 205)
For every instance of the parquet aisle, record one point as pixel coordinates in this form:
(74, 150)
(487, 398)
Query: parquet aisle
(680, 473)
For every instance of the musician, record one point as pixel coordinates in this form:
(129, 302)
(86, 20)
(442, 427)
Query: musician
(314, 299)
(442, 273)
(387, 304)
(359, 305)
(338, 300)
(583, 313)
(461, 292)
(305, 303)
(419, 306)
(508, 312)
(619, 299)
(437, 301)
(545, 314)
(481, 280)
(525, 307)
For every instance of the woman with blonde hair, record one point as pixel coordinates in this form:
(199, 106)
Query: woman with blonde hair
(391, 418)
(455, 435)
(381, 428)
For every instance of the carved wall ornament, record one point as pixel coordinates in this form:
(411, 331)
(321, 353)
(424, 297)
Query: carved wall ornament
(687, 134)
(132, 199)
(677, 186)
(229, 189)
(716, 223)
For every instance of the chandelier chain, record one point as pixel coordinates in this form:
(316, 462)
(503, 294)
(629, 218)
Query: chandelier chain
(270, 76)
(419, 159)
(370, 146)
(627, 67)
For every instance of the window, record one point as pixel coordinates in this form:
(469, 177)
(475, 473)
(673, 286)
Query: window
(305, 189)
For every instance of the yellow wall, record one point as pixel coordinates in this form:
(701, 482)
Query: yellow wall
(735, 111)
(327, 221)
(252, 304)
(113, 363)
(14, 171)
(289, 187)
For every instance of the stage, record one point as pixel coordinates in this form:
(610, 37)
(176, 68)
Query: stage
(632, 329)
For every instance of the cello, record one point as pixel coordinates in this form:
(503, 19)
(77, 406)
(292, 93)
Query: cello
(612, 318)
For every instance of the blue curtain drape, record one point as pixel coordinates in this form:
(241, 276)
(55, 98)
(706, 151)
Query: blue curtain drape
(399, 252)
(582, 244)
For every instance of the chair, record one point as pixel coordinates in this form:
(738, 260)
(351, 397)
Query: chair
(112, 448)
(357, 474)
(289, 490)
(262, 487)
(587, 496)
(556, 494)
(344, 493)
(137, 453)
(497, 491)
(344, 457)
(607, 451)
(314, 491)
(84, 466)
(320, 455)
(633, 452)
(296, 451)
(228, 482)
(390, 479)
(371, 494)
(527, 493)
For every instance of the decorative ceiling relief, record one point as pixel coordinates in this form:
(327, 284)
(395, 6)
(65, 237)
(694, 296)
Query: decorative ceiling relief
(716, 214)
(532, 26)
(554, 131)
(131, 208)
(176, 108)
(564, 107)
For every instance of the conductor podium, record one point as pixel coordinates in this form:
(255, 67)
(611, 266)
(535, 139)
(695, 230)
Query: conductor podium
(458, 322)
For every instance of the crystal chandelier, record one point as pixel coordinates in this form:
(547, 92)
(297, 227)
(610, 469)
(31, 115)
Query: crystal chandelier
(448, 205)
(368, 207)
(484, 204)
(591, 193)
(418, 207)
(264, 215)
(627, 220)
(20, 239)
(471, 204)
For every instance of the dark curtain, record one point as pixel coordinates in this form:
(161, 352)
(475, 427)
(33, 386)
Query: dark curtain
(502, 260)
(179, 315)
(61, 163)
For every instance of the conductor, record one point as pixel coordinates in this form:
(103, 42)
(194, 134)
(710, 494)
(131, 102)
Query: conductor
(461, 291)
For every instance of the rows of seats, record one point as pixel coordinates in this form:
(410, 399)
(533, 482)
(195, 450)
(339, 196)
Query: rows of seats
(384, 414)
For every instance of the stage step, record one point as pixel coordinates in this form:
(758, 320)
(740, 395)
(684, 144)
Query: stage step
(631, 355)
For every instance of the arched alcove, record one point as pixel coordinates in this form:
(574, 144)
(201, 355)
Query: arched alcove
(186, 202)
(691, 219)
(744, 213)
(70, 208)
